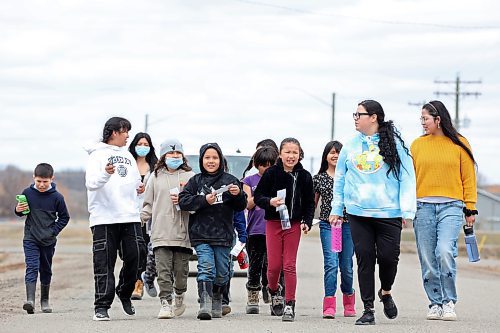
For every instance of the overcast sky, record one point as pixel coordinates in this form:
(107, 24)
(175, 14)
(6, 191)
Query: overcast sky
(236, 72)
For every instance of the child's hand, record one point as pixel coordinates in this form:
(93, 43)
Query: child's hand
(175, 199)
(109, 168)
(335, 220)
(234, 189)
(21, 207)
(276, 201)
(210, 198)
(304, 228)
(141, 188)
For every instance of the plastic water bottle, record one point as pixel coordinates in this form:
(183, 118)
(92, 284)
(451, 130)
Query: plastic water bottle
(471, 244)
(337, 238)
(285, 219)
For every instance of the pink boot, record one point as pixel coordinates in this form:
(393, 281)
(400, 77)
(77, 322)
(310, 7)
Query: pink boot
(349, 301)
(329, 307)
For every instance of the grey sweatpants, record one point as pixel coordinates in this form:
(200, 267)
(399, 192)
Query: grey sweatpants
(173, 268)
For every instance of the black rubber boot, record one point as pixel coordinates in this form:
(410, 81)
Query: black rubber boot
(217, 301)
(29, 305)
(205, 296)
(44, 298)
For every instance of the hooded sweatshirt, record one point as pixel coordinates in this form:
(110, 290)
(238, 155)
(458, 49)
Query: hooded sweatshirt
(362, 184)
(169, 226)
(211, 224)
(47, 217)
(112, 198)
(299, 193)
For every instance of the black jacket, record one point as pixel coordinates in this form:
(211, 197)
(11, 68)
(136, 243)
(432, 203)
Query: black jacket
(47, 217)
(211, 224)
(299, 192)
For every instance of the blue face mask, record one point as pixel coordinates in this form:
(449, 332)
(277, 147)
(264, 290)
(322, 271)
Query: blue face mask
(142, 150)
(173, 162)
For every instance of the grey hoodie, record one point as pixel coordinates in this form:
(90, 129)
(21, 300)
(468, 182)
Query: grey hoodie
(169, 226)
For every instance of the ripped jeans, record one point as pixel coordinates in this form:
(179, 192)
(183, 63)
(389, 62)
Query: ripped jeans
(110, 240)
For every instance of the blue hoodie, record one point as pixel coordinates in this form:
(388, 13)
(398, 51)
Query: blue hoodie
(363, 186)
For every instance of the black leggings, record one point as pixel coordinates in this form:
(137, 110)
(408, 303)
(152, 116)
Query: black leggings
(375, 240)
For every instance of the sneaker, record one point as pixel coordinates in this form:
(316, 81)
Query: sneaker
(288, 313)
(101, 314)
(435, 312)
(368, 318)
(149, 286)
(166, 310)
(252, 302)
(277, 303)
(179, 306)
(390, 309)
(449, 311)
(226, 309)
(127, 306)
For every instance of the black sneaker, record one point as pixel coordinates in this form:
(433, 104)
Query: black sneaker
(127, 306)
(101, 314)
(277, 303)
(390, 309)
(289, 311)
(368, 318)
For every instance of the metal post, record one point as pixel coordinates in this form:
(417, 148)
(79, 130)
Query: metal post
(333, 116)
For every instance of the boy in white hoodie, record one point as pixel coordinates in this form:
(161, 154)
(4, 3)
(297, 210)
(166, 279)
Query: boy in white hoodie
(113, 183)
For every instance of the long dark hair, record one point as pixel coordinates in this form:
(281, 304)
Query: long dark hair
(260, 144)
(329, 146)
(151, 158)
(161, 164)
(388, 133)
(437, 109)
(115, 124)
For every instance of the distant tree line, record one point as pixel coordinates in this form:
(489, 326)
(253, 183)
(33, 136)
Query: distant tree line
(71, 184)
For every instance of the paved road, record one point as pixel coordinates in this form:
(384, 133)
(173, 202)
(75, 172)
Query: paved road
(73, 297)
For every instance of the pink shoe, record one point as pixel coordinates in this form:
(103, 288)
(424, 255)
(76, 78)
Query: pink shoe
(329, 307)
(349, 302)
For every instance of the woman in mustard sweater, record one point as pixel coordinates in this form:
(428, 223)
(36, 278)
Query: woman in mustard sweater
(446, 191)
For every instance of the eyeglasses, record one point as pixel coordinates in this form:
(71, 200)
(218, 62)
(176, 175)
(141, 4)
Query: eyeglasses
(357, 115)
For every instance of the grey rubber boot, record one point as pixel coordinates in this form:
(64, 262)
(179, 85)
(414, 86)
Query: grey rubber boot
(217, 301)
(205, 297)
(44, 298)
(29, 305)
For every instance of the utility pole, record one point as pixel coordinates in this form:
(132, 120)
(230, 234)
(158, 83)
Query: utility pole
(146, 123)
(333, 116)
(458, 94)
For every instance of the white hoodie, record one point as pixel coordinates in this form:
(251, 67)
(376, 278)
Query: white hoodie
(112, 198)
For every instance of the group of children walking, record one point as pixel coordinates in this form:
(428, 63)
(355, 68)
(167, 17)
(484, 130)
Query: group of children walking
(366, 187)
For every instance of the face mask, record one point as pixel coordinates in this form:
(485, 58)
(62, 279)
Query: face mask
(173, 162)
(142, 150)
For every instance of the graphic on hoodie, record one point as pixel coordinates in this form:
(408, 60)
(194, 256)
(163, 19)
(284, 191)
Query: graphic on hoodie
(370, 160)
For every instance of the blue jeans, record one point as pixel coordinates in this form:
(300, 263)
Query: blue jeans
(213, 264)
(333, 260)
(437, 226)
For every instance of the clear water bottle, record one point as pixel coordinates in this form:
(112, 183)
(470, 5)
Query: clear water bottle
(471, 244)
(337, 238)
(285, 219)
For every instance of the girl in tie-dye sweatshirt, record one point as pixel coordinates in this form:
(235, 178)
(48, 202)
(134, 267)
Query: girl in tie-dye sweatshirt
(375, 181)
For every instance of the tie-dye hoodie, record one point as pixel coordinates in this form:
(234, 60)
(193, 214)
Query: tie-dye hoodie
(363, 186)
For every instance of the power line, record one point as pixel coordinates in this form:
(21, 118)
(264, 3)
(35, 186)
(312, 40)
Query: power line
(457, 93)
(423, 24)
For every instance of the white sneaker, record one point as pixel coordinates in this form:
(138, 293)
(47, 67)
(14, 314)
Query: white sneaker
(179, 306)
(435, 313)
(166, 311)
(449, 311)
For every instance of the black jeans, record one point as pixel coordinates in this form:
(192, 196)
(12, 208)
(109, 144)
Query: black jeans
(144, 252)
(108, 240)
(257, 270)
(375, 240)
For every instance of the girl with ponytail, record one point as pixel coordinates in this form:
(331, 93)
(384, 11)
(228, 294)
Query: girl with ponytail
(375, 181)
(446, 191)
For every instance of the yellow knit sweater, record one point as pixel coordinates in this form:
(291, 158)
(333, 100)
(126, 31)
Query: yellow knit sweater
(444, 169)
